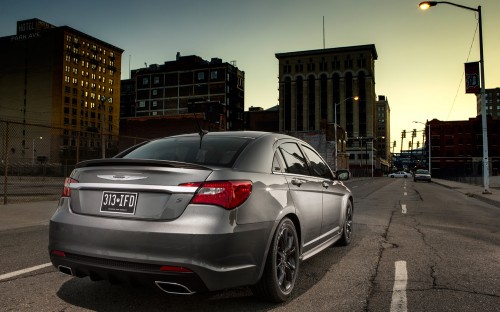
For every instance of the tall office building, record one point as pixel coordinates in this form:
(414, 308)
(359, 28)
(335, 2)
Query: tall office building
(318, 85)
(382, 140)
(65, 80)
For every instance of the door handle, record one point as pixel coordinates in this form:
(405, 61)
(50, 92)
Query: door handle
(298, 182)
(326, 184)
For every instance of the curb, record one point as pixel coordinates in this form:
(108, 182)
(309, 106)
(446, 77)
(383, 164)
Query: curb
(482, 198)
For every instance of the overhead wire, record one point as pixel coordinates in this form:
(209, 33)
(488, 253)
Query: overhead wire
(463, 72)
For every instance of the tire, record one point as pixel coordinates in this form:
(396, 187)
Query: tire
(347, 227)
(282, 265)
(392, 176)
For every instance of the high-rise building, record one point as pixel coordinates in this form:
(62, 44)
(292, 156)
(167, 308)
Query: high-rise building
(65, 80)
(318, 86)
(492, 103)
(382, 139)
(185, 86)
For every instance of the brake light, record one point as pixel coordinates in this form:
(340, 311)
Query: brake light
(58, 253)
(227, 194)
(66, 190)
(177, 269)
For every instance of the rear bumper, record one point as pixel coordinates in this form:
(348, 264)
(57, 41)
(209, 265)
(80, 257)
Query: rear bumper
(417, 178)
(219, 253)
(127, 272)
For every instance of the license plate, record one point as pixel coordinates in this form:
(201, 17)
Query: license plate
(119, 202)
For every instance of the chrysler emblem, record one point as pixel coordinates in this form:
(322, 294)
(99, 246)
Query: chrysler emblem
(115, 177)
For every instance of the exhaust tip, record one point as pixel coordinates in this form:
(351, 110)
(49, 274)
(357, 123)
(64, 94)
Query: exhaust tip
(66, 270)
(174, 288)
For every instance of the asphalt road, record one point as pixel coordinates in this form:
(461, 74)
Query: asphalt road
(416, 247)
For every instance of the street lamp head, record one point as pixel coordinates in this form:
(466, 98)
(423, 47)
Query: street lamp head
(355, 98)
(427, 4)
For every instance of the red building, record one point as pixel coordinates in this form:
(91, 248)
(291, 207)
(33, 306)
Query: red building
(457, 147)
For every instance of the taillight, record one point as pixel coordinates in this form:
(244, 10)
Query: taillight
(227, 194)
(66, 190)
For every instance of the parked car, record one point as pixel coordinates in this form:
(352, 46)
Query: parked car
(400, 174)
(422, 175)
(202, 212)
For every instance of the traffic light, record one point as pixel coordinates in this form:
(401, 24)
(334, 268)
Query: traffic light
(403, 134)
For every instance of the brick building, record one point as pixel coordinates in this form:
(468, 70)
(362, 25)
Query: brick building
(318, 85)
(457, 147)
(65, 80)
(185, 86)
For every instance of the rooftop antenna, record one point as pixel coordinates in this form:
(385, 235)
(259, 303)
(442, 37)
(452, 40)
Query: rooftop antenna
(323, 32)
(201, 132)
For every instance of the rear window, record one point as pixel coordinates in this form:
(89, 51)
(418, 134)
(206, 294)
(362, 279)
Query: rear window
(213, 151)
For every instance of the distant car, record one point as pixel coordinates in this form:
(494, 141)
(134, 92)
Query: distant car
(400, 174)
(202, 212)
(422, 175)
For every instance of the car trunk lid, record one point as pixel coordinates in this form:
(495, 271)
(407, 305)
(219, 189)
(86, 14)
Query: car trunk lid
(134, 189)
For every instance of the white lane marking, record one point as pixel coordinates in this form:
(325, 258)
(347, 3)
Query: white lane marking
(403, 208)
(399, 302)
(27, 270)
(406, 194)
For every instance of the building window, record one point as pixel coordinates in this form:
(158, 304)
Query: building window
(213, 74)
(201, 76)
(156, 80)
(145, 81)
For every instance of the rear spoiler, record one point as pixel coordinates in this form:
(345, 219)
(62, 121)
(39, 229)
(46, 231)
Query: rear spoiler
(138, 162)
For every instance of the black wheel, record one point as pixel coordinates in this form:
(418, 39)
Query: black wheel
(282, 265)
(348, 226)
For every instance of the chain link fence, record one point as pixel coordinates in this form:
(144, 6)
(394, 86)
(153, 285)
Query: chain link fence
(35, 159)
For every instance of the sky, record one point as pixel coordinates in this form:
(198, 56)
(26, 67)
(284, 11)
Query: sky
(421, 54)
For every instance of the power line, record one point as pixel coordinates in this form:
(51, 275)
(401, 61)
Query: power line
(463, 72)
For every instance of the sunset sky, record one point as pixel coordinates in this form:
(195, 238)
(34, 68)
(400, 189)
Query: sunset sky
(420, 53)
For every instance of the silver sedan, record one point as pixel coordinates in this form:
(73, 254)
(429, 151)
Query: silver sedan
(201, 212)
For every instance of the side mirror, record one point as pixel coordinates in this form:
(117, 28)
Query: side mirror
(343, 175)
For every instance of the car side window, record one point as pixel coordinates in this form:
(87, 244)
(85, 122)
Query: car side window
(318, 166)
(295, 162)
(276, 163)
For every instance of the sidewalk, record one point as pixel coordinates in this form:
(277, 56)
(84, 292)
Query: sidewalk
(475, 191)
(19, 215)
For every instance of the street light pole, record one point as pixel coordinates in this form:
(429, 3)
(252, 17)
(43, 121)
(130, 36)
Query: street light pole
(486, 171)
(33, 151)
(103, 140)
(335, 125)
